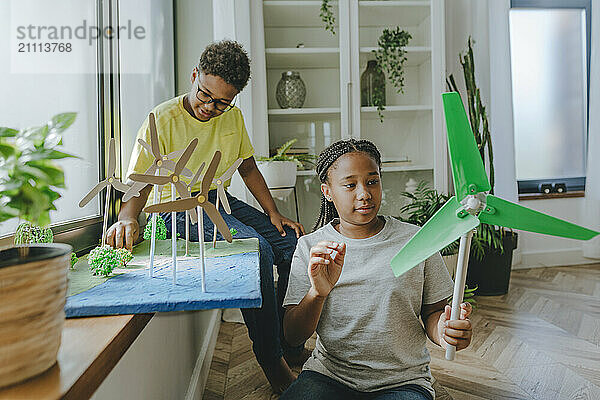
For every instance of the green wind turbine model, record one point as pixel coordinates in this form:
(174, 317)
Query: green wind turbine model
(471, 206)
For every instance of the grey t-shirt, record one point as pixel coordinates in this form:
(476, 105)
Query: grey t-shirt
(369, 336)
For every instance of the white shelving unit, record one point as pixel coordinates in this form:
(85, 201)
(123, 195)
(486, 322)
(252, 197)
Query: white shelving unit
(331, 67)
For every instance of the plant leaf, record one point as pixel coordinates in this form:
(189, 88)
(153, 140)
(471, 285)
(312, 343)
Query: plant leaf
(7, 132)
(60, 122)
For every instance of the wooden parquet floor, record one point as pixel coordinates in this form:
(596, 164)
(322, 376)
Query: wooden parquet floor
(539, 341)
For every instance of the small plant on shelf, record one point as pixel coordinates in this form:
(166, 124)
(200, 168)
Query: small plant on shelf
(282, 155)
(390, 56)
(327, 17)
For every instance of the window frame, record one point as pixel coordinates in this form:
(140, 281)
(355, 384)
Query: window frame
(84, 234)
(574, 183)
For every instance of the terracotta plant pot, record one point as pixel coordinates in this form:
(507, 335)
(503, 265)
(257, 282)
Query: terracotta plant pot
(33, 286)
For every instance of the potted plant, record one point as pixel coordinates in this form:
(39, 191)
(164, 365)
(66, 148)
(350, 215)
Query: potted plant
(492, 247)
(280, 169)
(424, 203)
(33, 276)
(390, 57)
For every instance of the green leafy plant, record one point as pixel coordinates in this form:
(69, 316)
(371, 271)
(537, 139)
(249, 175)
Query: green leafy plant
(282, 155)
(425, 202)
(487, 236)
(104, 259)
(29, 175)
(161, 229)
(28, 233)
(390, 56)
(468, 296)
(326, 14)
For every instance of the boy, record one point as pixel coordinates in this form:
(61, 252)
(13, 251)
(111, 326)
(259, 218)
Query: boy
(208, 113)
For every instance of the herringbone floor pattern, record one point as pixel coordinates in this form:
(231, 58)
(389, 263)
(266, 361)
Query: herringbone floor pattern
(540, 341)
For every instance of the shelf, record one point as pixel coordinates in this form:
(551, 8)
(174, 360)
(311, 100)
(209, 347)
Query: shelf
(415, 55)
(401, 3)
(304, 111)
(391, 13)
(306, 172)
(397, 108)
(297, 3)
(402, 168)
(295, 13)
(409, 167)
(299, 58)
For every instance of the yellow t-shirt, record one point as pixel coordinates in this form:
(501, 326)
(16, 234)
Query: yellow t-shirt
(176, 128)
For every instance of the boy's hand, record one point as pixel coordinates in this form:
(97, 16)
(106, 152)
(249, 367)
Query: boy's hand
(455, 332)
(323, 270)
(280, 221)
(123, 233)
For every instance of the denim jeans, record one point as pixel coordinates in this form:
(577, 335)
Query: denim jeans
(315, 386)
(265, 323)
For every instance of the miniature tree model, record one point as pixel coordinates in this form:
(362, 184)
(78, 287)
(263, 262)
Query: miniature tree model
(27, 233)
(110, 182)
(176, 185)
(160, 232)
(200, 200)
(220, 183)
(470, 206)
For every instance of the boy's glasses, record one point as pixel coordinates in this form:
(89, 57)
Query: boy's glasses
(206, 98)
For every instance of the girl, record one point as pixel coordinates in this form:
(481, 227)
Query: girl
(370, 341)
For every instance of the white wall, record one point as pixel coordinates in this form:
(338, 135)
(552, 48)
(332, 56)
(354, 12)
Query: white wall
(194, 31)
(163, 360)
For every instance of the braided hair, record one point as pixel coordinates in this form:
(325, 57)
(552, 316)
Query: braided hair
(327, 158)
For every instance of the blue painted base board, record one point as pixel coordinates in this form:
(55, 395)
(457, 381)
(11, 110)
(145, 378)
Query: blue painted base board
(231, 282)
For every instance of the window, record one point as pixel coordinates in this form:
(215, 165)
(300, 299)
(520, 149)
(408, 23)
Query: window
(550, 69)
(110, 83)
(34, 91)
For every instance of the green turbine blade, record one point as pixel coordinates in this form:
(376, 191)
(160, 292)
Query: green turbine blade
(441, 230)
(504, 213)
(468, 171)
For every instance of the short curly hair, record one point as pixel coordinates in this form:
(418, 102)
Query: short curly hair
(226, 59)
